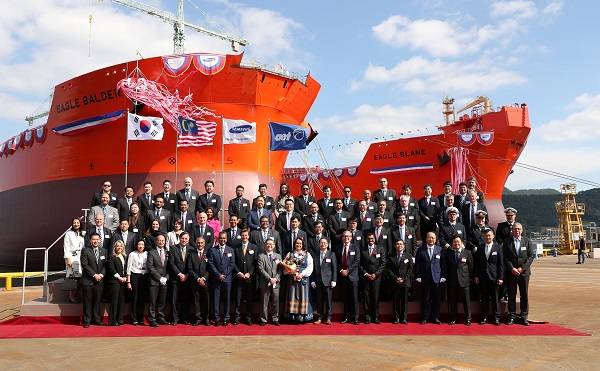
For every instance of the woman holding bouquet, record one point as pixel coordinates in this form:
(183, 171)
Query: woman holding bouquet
(298, 266)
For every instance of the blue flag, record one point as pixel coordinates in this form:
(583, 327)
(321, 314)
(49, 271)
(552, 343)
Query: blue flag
(287, 137)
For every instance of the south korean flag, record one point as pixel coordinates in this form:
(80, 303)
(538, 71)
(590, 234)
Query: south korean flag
(144, 127)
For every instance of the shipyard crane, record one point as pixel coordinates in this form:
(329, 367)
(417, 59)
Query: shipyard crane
(179, 23)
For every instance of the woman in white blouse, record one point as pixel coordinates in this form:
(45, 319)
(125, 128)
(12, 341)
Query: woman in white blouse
(173, 236)
(72, 245)
(137, 274)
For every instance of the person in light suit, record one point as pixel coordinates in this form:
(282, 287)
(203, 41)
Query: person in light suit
(269, 278)
(518, 253)
(323, 280)
(430, 273)
(111, 215)
(93, 264)
(221, 262)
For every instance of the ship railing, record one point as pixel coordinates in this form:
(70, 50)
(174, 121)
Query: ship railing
(46, 255)
(276, 70)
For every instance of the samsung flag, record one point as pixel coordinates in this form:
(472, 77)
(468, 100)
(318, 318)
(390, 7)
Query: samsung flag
(238, 131)
(287, 137)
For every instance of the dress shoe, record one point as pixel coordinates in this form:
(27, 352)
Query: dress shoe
(196, 323)
(376, 321)
(317, 322)
(135, 323)
(423, 322)
(510, 321)
(578, 263)
(276, 323)
(437, 321)
(86, 325)
(525, 322)
(497, 322)
(162, 321)
(113, 324)
(355, 322)
(235, 322)
(263, 323)
(249, 322)
(328, 322)
(153, 324)
(120, 323)
(98, 324)
(452, 323)
(404, 322)
(206, 322)
(174, 323)
(215, 323)
(345, 320)
(367, 321)
(468, 322)
(483, 321)
(225, 323)
(396, 321)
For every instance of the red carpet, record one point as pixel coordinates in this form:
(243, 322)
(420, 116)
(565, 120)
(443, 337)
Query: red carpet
(56, 327)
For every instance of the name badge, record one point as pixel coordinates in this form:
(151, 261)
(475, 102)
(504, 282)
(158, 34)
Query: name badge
(208, 233)
(385, 237)
(162, 217)
(459, 232)
(110, 216)
(331, 204)
(371, 207)
(409, 236)
(193, 197)
(386, 220)
(268, 203)
(433, 203)
(102, 258)
(327, 260)
(213, 201)
(437, 256)
(464, 260)
(113, 198)
(106, 236)
(343, 219)
(411, 204)
(405, 261)
(245, 205)
(378, 255)
(229, 255)
(358, 238)
(238, 237)
(368, 219)
(411, 217)
(494, 253)
(190, 221)
(135, 230)
(276, 261)
(171, 201)
(390, 198)
(413, 259)
(352, 252)
(251, 252)
(523, 248)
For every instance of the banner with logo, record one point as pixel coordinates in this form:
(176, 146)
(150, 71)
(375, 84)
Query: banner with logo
(238, 131)
(287, 137)
(144, 127)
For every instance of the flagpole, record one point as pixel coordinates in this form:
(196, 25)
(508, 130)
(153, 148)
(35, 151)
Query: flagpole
(126, 148)
(223, 165)
(176, 157)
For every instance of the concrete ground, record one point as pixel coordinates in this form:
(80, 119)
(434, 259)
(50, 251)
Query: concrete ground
(560, 292)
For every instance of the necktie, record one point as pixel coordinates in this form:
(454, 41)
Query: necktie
(157, 213)
(430, 252)
(162, 256)
(346, 202)
(239, 204)
(428, 201)
(305, 199)
(259, 213)
(362, 216)
(183, 253)
(322, 257)
(104, 212)
(315, 217)
(244, 249)
(345, 257)
(187, 196)
(222, 250)
(167, 196)
(148, 198)
(265, 235)
(487, 251)
(456, 256)
(517, 246)
(399, 258)
(377, 232)
(129, 201)
(97, 255)
(232, 234)
(472, 213)
(183, 220)
(99, 231)
(370, 250)
(402, 233)
(293, 237)
(384, 193)
(339, 217)
(288, 220)
(201, 230)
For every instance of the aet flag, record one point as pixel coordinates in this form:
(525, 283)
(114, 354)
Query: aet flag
(144, 127)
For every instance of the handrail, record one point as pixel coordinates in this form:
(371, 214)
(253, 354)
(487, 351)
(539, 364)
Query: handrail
(46, 254)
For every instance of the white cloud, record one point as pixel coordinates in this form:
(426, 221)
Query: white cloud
(517, 8)
(553, 8)
(579, 126)
(421, 75)
(441, 38)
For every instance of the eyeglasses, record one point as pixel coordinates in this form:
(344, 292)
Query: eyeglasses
(106, 185)
(305, 189)
(347, 191)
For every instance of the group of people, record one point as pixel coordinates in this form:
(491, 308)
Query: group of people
(170, 250)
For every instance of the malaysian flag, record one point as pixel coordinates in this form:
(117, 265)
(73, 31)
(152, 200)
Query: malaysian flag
(195, 133)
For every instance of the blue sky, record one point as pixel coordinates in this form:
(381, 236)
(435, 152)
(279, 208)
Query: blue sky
(384, 66)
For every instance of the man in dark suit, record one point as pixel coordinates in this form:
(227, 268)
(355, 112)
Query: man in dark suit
(518, 252)
(292, 235)
(189, 194)
(372, 264)
(338, 223)
(349, 269)
(382, 234)
(386, 215)
(404, 233)
(186, 216)
(269, 201)
(178, 283)
(459, 270)
(245, 282)
(201, 229)
(146, 200)
(239, 206)
(470, 209)
(309, 221)
(348, 201)
(161, 214)
(489, 275)
(220, 262)
(269, 278)
(157, 266)
(209, 199)
(104, 233)
(283, 223)
(234, 233)
(123, 234)
(447, 186)
(472, 186)
(169, 197)
(411, 212)
(124, 203)
(430, 273)
(326, 203)
(399, 272)
(260, 237)
(451, 229)
(258, 212)
(462, 197)
(407, 191)
(197, 271)
(387, 195)
(358, 237)
(364, 218)
(93, 267)
(447, 202)
(323, 280)
(370, 204)
(428, 210)
(314, 242)
(106, 188)
(303, 201)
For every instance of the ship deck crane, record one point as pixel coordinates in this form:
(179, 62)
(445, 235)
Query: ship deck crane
(179, 23)
(487, 104)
